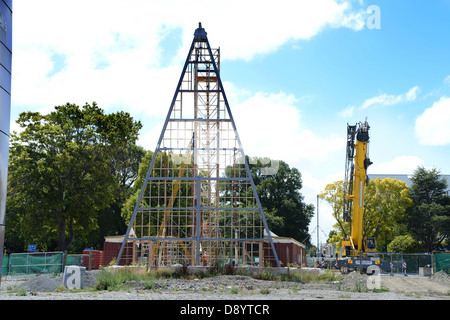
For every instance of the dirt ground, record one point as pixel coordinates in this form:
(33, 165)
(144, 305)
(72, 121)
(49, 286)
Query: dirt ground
(417, 286)
(353, 286)
(398, 286)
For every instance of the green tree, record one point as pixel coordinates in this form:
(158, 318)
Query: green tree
(130, 202)
(61, 172)
(125, 167)
(283, 204)
(386, 201)
(280, 196)
(403, 243)
(334, 195)
(166, 164)
(428, 219)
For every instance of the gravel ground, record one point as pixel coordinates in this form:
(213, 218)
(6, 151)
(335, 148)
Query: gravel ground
(233, 288)
(222, 297)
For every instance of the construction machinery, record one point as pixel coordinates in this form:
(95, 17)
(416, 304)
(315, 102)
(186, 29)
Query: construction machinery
(356, 249)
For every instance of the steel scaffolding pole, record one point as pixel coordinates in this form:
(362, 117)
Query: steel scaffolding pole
(198, 203)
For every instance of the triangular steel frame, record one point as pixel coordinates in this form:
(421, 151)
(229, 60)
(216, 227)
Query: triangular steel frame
(205, 219)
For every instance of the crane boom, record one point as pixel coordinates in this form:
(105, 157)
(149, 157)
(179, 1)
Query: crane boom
(357, 162)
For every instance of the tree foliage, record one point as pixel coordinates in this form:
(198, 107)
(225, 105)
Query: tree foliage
(428, 219)
(130, 203)
(283, 204)
(334, 195)
(386, 201)
(125, 166)
(64, 168)
(166, 164)
(404, 243)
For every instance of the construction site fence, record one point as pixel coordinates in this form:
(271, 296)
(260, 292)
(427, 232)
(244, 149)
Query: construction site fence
(22, 265)
(26, 264)
(441, 261)
(392, 262)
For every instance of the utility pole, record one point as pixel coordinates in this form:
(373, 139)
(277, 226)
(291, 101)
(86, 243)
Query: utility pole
(318, 244)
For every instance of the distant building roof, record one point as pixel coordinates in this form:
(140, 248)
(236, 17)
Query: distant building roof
(278, 239)
(405, 178)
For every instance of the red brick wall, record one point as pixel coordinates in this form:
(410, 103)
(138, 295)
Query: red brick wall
(94, 261)
(288, 254)
(111, 251)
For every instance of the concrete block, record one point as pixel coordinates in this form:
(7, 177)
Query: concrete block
(137, 269)
(424, 271)
(74, 277)
(197, 269)
(250, 270)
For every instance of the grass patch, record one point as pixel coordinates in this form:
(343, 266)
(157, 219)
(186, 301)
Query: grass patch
(264, 291)
(114, 281)
(377, 290)
(358, 287)
(149, 285)
(22, 292)
(304, 277)
(234, 290)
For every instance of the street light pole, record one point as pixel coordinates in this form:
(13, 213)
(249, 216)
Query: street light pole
(318, 245)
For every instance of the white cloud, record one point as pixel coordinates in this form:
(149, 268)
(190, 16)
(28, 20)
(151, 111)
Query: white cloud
(390, 100)
(113, 54)
(352, 20)
(112, 50)
(433, 125)
(411, 95)
(447, 80)
(382, 100)
(150, 135)
(270, 125)
(312, 186)
(398, 165)
(260, 27)
(347, 112)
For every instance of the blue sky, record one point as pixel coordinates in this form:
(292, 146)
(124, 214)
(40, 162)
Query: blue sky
(295, 72)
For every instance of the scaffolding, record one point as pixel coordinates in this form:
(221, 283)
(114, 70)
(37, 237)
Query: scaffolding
(198, 205)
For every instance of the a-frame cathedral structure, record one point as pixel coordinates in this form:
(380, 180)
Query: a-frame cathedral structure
(198, 205)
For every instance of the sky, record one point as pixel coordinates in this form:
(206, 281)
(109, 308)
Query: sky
(295, 74)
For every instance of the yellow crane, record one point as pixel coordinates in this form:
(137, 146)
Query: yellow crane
(357, 161)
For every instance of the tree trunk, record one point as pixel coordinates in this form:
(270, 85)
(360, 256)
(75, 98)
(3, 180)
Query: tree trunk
(64, 245)
(71, 234)
(62, 235)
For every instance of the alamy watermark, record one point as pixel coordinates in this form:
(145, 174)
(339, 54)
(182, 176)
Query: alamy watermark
(374, 20)
(268, 167)
(374, 279)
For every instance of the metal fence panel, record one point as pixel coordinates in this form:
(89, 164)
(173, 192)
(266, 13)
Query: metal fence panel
(441, 261)
(36, 262)
(388, 262)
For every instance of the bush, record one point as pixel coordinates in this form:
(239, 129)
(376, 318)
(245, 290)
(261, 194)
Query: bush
(113, 281)
(404, 243)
